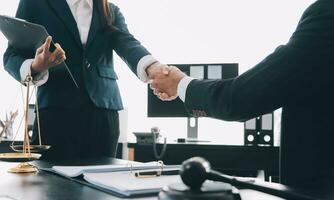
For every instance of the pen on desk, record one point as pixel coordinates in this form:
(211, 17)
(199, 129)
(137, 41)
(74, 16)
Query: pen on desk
(146, 174)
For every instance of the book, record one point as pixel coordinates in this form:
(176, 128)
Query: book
(74, 171)
(122, 180)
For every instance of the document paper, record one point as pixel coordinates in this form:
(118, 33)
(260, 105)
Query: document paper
(127, 184)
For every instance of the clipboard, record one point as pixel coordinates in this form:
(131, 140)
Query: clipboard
(24, 35)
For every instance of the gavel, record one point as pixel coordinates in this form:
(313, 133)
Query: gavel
(196, 170)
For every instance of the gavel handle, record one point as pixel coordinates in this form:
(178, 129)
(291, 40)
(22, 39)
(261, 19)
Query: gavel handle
(283, 192)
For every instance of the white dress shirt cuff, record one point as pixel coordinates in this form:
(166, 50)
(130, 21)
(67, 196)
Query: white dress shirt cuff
(182, 87)
(39, 79)
(143, 63)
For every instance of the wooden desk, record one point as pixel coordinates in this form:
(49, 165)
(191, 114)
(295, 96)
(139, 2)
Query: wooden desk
(230, 159)
(48, 186)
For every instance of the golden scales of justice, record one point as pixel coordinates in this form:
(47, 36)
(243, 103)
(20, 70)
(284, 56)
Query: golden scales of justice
(26, 152)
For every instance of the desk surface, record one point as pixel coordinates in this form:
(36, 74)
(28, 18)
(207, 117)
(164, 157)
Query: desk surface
(47, 186)
(44, 185)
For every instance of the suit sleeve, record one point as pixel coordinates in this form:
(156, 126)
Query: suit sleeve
(125, 44)
(14, 58)
(291, 74)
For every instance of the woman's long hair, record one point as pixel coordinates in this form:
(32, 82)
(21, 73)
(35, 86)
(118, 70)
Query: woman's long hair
(105, 15)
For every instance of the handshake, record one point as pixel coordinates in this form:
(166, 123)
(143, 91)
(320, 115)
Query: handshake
(164, 80)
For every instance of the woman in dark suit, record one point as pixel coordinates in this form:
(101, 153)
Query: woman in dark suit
(78, 122)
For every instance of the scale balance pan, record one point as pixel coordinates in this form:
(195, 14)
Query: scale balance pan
(33, 148)
(19, 157)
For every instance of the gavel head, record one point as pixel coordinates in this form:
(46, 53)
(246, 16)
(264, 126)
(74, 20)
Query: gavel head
(194, 172)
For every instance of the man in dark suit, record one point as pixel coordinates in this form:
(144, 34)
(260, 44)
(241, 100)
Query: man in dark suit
(78, 122)
(297, 77)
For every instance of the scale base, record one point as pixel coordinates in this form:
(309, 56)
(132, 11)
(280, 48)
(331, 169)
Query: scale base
(24, 168)
(19, 157)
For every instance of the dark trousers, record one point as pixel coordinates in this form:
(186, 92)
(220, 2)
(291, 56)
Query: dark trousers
(78, 133)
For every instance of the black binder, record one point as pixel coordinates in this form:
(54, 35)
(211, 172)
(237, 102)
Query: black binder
(26, 35)
(22, 34)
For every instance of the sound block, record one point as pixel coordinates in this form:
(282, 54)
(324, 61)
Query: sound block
(210, 190)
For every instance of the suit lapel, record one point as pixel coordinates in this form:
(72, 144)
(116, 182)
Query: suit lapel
(64, 13)
(94, 26)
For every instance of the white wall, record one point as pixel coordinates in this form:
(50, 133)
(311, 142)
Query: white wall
(188, 31)
(10, 98)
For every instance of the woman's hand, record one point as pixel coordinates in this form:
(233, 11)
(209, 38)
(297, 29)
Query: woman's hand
(44, 59)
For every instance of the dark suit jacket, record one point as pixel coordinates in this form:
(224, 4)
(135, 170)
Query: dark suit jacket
(298, 77)
(91, 66)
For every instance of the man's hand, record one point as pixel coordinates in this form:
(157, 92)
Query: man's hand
(158, 69)
(44, 59)
(165, 86)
